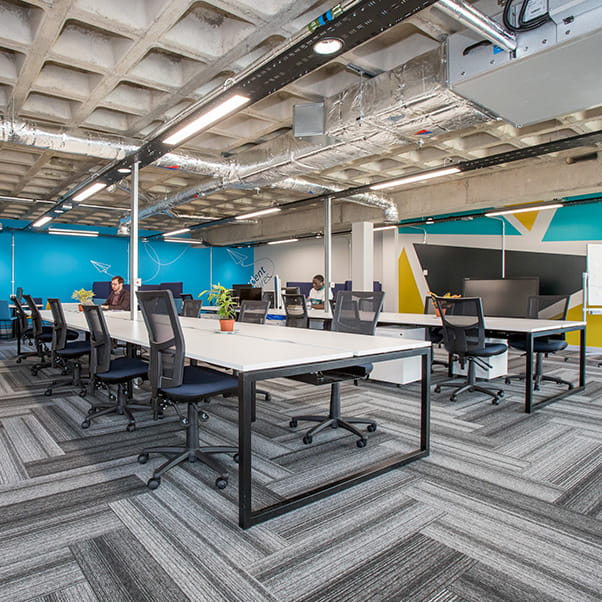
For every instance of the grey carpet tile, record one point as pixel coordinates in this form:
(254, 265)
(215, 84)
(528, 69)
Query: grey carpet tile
(507, 507)
(40, 575)
(118, 567)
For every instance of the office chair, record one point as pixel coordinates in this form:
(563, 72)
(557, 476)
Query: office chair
(464, 339)
(105, 371)
(270, 297)
(191, 308)
(355, 312)
(172, 383)
(435, 334)
(42, 335)
(63, 354)
(295, 307)
(543, 307)
(24, 331)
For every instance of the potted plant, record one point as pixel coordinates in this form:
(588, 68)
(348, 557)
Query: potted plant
(226, 305)
(83, 296)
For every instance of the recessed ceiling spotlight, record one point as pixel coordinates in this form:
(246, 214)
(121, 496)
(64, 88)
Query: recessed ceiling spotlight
(328, 46)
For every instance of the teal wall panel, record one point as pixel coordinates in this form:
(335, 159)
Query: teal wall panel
(580, 222)
(477, 227)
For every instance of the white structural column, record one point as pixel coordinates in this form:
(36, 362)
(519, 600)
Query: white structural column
(134, 241)
(389, 267)
(362, 256)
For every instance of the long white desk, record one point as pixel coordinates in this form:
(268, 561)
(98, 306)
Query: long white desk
(260, 352)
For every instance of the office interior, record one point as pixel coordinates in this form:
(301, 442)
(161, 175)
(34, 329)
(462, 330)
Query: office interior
(380, 162)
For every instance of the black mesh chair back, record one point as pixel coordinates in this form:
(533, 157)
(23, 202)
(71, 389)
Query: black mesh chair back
(253, 312)
(357, 311)
(22, 320)
(59, 328)
(463, 324)
(185, 296)
(36, 317)
(295, 307)
(191, 308)
(269, 297)
(100, 339)
(167, 348)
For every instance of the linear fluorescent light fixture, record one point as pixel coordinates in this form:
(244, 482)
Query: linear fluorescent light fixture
(41, 221)
(524, 209)
(328, 46)
(381, 228)
(281, 242)
(175, 232)
(66, 232)
(89, 191)
(258, 213)
(419, 177)
(205, 120)
(186, 241)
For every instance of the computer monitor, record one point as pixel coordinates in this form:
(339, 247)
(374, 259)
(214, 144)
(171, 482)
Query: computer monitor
(291, 290)
(249, 293)
(505, 297)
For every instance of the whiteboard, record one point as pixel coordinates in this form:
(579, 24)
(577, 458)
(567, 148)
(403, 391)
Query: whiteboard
(594, 274)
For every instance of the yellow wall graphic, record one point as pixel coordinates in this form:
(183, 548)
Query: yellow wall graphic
(527, 219)
(593, 329)
(410, 300)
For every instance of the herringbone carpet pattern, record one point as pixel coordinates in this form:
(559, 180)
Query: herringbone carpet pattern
(506, 508)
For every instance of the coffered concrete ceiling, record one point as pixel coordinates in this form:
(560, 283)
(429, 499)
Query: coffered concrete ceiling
(84, 82)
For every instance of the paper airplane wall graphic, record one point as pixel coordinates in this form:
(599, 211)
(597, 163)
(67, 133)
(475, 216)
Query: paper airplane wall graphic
(103, 268)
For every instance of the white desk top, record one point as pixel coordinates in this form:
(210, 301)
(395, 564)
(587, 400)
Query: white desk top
(252, 346)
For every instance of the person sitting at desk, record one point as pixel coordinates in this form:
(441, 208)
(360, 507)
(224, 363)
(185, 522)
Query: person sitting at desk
(317, 294)
(119, 297)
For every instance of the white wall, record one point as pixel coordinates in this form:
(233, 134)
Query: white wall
(301, 260)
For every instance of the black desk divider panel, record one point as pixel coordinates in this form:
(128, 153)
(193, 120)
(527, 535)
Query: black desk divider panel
(505, 297)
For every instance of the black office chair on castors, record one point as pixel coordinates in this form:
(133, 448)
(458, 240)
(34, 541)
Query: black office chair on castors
(295, 307)
(105, 371)
(464, 339)
(24, 331)
(543, 307)
(173, 382)
(191, 308)
(355, 312)
(63, 354)
(42, 335)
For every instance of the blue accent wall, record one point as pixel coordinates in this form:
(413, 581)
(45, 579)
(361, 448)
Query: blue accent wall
(54, 266)
(580, 222)
(478, 226)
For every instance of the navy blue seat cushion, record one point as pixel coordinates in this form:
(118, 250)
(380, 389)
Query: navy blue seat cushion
(539, 345)
(74, 349)
(198, 382)
(489, 350)
(123, 369)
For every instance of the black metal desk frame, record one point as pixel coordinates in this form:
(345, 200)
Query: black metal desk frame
(246, 386)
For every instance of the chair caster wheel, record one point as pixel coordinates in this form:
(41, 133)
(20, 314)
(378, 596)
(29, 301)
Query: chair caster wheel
(307, 439)
(571, 386)
(453, 398)
(500, 393)
(85, 424)
(83, 393)
(495, 401)
(221, 483)
(48, 392)
(361, 442)
(130, 428)
(143, 459)
(507, 381)
(112, 396)
(293, 423)
(268, 397)
(236, 458)
(19, 360)
(153, 483)
(203, 416)
(371, 428)
(34, 372)
(437, 389)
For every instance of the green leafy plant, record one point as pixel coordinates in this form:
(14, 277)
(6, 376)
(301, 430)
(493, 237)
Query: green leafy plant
(226, 306)
(82, 295)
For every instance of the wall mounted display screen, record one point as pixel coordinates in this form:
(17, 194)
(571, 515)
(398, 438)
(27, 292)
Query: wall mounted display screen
(505, 297)
(248, 293)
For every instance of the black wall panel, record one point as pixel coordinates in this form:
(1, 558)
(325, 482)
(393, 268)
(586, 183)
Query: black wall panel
(448, 266)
